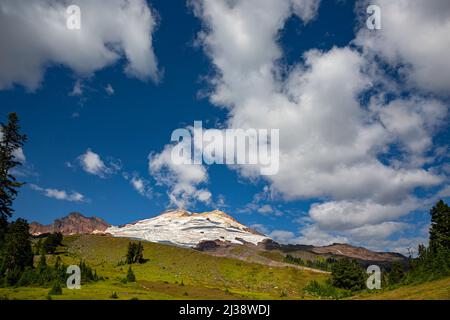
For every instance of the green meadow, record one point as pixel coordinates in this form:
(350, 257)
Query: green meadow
(169, 273)
(178, 273)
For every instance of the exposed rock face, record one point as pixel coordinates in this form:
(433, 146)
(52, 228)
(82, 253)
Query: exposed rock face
(38, 229)
(74, 223)
(269, 244)
(208, 245)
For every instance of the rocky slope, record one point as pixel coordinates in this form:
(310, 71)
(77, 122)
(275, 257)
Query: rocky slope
(340, 249)
(74, 223)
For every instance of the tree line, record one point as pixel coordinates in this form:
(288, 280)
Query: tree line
(16, 250)
(431, 263)
(321, 264)
(15, 244)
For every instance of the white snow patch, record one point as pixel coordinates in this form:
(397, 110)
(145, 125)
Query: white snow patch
(187, 229)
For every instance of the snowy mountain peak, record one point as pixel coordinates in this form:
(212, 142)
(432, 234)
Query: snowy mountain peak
(176, 213)
(188, 229)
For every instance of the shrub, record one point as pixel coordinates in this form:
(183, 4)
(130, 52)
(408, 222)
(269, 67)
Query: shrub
(326, 290)
(56, 289)
(130, 275)
(396, 274)
(28, 277)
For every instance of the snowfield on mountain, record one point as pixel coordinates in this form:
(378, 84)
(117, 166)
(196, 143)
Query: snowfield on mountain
(188, 229)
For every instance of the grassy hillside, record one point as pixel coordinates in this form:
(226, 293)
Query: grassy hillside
(179, 273)
(434, 290)
(171, 273)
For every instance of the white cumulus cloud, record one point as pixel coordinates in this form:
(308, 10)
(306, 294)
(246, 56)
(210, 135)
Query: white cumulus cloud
(92, 163)
(141, 185)
(334, 146)
(183, 180)
(34, 36)
(415, 37)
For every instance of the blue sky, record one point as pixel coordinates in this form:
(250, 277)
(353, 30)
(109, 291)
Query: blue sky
(68, 113)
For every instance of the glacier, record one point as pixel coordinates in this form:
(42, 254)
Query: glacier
(186, 229)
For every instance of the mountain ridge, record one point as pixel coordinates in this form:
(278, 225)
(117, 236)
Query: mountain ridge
(206, 231)
(73, 223)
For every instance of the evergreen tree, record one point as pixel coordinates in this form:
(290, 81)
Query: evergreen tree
(440, 227)
(17, 253)
(11, 141)
(58, 263)
(433, 262)
(139, 253)
(87, 274)
(28, 277)
(348, 274)
(131, 252)
(130, 275)
(135, 253)
(52, 241)
(38, 247)
(396, 274)
(42, 264)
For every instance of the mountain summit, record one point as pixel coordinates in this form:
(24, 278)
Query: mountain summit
(187, 229)
(215, 232)
(74, 223)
